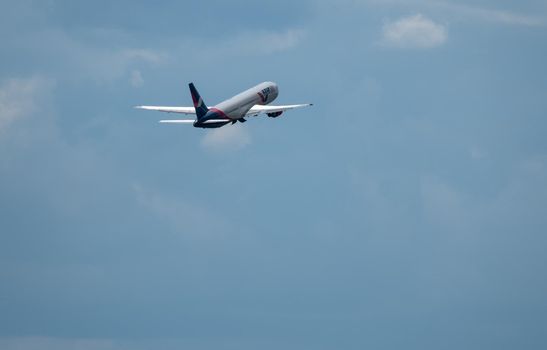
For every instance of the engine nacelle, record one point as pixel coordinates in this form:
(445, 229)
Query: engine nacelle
(275, 114)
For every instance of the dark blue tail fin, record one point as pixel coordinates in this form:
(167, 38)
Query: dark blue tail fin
(199, 105)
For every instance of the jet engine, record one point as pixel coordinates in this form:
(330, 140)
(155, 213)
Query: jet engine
(275, 114)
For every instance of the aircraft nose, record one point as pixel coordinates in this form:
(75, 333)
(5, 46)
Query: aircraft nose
(275, 89)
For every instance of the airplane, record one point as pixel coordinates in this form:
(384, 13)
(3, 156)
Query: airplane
(251, 102)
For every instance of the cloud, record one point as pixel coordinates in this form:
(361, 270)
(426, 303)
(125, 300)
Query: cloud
(184, 217)
(144, 55)
(469, 11)
(136, 79)
(442, 203)
(497, 16)
(521, 199)
(18, 98)
(119, 343)
(276, 42)
(47, 343)
(226, 139)
(478, 153)
(101, 59)
(415, 31)
(105, 64)
(260, 43)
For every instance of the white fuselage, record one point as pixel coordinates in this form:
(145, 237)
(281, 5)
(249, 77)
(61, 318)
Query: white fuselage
(238, 106)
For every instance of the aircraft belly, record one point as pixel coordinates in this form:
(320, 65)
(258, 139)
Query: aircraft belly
(237, 112)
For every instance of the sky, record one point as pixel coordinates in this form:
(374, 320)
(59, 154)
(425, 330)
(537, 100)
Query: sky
(407, 209)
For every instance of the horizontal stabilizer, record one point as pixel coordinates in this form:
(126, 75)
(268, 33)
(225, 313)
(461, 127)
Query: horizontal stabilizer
(177, 121)
(182, 110)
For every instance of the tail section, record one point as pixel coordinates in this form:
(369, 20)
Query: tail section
(199, 105)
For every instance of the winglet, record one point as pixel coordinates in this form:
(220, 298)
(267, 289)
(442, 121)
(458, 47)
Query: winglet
(199, 105)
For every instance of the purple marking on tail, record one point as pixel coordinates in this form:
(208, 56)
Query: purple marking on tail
(199, 105)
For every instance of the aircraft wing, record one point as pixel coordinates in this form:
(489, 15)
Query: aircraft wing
(182, 110)
(258, 109)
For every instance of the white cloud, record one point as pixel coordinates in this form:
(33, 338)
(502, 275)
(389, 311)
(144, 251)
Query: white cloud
(18, 99)
(107, 65)
(144, 55)
(474, 12)
(260, 43)
(511, 18)
(176, 211)
(522, 198)
(73, 57)
(478, 153)
(226, 139)
(50, 343)
(442, 203)
(497, 16)
(144, 343)
(277, 42)
(415, 31)
(185, 217)
(136, 79)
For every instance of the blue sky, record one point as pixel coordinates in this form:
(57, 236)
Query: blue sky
(406, 209)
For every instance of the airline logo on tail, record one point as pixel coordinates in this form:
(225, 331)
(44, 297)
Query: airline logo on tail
(264, 94)
(200, 107)
(198, 101)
